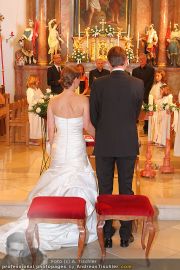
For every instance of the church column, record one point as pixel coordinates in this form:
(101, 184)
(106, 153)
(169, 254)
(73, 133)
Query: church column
(58, 11)
(177, 12)
(140, 9)
(163, 24)
(30, 10)
(42, 39)
(67, 13)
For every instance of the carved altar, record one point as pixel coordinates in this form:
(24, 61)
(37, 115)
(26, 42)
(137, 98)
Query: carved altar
(98, 47)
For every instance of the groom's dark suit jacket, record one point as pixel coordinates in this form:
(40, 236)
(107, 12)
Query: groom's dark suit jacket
(115, 104)
(53, 77)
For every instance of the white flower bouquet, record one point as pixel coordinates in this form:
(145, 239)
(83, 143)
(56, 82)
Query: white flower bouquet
(170, 107)
(78, 56)
(95, 31)
(40, 107)
(109, 31)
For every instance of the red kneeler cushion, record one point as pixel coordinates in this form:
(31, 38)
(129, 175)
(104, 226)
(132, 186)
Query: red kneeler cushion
(57, 207)
(130, 205)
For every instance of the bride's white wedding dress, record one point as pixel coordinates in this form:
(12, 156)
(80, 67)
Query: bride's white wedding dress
(70, 174)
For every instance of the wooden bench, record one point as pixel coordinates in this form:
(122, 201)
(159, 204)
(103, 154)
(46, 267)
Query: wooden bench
(18, 122)
(4, 114)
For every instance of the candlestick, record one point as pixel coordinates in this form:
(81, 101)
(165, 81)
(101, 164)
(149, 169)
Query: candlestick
(67, 41)
(150, 100)
(87, 38)
(79, 31)
(128, 30)
(87, 5)
(118, 38)
(138, 41)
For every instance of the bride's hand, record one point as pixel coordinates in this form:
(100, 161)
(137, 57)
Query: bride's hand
(48, 148)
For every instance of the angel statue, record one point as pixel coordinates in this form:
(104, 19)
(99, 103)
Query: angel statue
(53, 39)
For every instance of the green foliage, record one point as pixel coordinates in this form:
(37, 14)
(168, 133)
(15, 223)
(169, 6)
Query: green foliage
(148, 107)
(40, 107)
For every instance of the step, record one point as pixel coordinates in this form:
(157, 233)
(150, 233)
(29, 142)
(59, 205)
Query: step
(164, 212)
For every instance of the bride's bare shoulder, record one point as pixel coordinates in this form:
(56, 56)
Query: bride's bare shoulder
(83, 98)
(55, 98)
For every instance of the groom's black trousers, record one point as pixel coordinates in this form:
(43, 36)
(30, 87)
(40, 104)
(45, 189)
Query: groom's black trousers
(105, 173)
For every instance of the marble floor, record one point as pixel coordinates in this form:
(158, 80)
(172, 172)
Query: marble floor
(19, 172)
(20, 167)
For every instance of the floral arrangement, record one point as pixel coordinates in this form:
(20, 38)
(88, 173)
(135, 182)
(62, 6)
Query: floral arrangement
(149, 107)
(109, 31)
(95, 31)
(170, 107)
(78, 56)
(129, 53)
(40, 107)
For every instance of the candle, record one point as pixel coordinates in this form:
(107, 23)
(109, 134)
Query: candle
(138, 41)
(128, 30)
(87, 39)
(79, 31)
(118, 38)
(150, 99)
(170, 99)
(87, 4)
(67, 41)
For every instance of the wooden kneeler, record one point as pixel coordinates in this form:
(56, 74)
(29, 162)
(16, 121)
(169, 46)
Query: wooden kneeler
(125, 207)
(56, 210)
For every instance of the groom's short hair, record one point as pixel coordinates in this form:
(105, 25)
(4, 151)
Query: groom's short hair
(116, 56)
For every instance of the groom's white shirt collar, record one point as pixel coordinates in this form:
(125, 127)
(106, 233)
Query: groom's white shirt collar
(117, 69)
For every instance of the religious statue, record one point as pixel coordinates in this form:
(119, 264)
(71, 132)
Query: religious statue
(151, 41)
(28, 43)
(53, 39)
(173, 47)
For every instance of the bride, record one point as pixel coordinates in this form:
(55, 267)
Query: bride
(70, 173)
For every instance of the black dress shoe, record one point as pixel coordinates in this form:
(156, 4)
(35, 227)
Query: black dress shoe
(125, 243)
(108, 243)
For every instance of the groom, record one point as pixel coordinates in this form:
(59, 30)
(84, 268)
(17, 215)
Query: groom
(115, 104)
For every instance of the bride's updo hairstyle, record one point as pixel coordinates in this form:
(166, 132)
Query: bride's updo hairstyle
(68, 74)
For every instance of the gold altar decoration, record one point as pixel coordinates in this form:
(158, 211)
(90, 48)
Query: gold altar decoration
(97, 41)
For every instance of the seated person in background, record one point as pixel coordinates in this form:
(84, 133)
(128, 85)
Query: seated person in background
(54, 75)
(98, 72)
(83, 85)
(33, 95)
